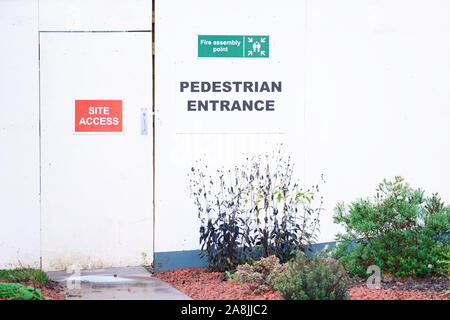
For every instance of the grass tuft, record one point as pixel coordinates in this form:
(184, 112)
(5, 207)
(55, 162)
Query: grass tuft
(24, 275)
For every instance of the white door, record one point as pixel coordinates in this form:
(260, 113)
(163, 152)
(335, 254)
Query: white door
(96, 186)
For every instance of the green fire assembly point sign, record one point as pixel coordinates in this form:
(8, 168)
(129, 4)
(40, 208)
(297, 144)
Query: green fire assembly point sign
(213, 46)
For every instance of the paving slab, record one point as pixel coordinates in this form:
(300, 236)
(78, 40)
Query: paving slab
(127, 283)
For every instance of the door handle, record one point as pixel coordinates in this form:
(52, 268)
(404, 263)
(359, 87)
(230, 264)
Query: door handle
(144, 121)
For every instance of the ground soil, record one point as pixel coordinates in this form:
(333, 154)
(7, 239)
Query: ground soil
(50, 290)
(200, 284)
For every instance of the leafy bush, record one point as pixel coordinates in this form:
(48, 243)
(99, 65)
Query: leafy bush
(262, 274)
(254, 210)
(399, 230)
(24, 274)
(15, 291)
(318, 278)
(446, 262)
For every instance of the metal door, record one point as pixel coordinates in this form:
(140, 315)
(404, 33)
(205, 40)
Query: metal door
(96, 208)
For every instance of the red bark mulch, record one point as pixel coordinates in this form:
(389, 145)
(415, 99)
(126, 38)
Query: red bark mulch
(364, 293)
(199, 284)
(50, 290)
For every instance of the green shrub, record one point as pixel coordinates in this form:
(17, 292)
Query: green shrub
(262, 274)
(399, 230)
(24, 274)
(318, 278)
(15, 291)
(446, 261)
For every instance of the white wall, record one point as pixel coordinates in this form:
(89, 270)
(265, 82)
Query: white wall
(20, 22)
(19, 133)
(378, 98)
(220, 138)
(365, 97)
(95, 15)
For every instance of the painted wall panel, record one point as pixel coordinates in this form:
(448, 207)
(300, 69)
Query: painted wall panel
(366, 97)
(98, 15)
(377, 97)
(19, 134)
(220, 138)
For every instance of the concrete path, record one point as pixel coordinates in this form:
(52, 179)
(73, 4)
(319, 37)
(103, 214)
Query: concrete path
(131, 283)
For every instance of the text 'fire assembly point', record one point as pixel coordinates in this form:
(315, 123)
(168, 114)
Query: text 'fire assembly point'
(213, 46)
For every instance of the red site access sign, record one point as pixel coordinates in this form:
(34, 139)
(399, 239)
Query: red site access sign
(98, 115)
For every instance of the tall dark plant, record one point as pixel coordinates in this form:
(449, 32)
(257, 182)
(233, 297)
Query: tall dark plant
(283, 216)
(256, 209)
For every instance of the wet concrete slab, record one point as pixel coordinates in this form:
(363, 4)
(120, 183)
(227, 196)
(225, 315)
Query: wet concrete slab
(128, 283)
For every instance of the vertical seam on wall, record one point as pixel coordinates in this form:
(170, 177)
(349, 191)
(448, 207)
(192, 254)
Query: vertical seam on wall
(153, 131)
(305, 90)
(40, 140)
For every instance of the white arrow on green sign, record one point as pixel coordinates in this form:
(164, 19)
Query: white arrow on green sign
(213, 46)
